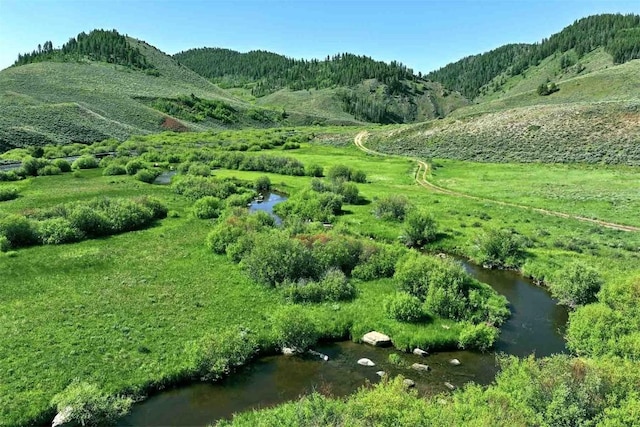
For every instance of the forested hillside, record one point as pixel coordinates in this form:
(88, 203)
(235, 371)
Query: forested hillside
(618, 35)
(98, 45)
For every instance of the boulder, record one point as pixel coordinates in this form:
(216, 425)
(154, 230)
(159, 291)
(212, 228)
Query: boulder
(381, 373)
(376, 339)
(450, 386)
(420, 367)
(366, 362)
(454, 362)
(420, 352)
(408, 383)
(62, 417)
(288, 351)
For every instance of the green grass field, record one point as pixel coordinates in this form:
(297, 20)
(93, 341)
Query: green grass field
(121, 311)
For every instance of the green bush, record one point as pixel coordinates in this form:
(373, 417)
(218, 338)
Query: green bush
(403, 308)
(334, 286)
(62, 164)
(199, 169)
(293, 328)
(49, 170)
(216, 356)
(90, 222)
(478, 337)
(31, 165)
(339, 172)
(8, 194)
(18, 230)
(358, 176)
(576, 285)
(335, 251)
(275, 258)
(377, 261)
(312, 206)
(54, 231)
(5, 245)
(262, 184)
(146, 175)
(314, 170)
(90, 406)
(114, 169)
(207, 207)
(393, 207)
(396, 359)
(135, 165)
(419, 229)
(85, 162)
(239, 200)
(500, 248)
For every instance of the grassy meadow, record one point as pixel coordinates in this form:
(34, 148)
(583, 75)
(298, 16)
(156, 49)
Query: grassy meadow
(124, 311)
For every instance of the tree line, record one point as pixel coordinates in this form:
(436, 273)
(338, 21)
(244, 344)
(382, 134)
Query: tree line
(269, 72)
(98, 45)
(618, 34)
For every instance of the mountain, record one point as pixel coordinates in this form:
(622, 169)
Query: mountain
(104, 85)
(369, 90)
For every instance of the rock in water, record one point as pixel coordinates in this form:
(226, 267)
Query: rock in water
(420, 352)
(376, 339)
(454, 362)
(366, 362)
(420, 367)
(287, 351)
(408, 383)
(450, 386)
(62, 417)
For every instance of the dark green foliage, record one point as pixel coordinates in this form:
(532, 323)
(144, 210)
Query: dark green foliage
(195, 109)
(313, 170)
(18, 230)
(448, 291)
(294, 328)
(576, 284)
(391, 208)
(197, 169)
(420, 228)
(197, 187)
(5, 245)
(501, 248)
(262, 184)
(114, 169)
(478, 337)
(404, 308)
(89, 405)
(7, 193)
(49, 170)
(617, 34)
(98, 45)
(234, 227)
(377, 261)
(133, 166)
(333, 251)
(9, 176)
(547, 89)
(345, 173)
(85, 162)
(218, 355)
(275, 258)
(207, 207)
(348, 190)
(310, 205)
(260, 163)
(32, 165)
(333, 286)
(62, 164)
(273, 72)
(147, 175)
(54, 231)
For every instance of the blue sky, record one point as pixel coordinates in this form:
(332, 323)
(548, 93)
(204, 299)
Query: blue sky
(423, 34)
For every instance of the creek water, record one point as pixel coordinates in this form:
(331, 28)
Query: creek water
(536, 326)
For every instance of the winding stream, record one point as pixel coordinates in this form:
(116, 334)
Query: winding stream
(536, 326)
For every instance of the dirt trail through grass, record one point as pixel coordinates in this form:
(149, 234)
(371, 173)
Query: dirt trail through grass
(423, 171)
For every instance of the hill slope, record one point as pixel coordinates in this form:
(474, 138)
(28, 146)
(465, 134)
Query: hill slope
(359, 86)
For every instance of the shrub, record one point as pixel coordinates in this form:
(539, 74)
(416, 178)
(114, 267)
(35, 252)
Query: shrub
(312, 206)
(420, 228)
(239, 200)
(207, 207)
(146, 175)
(9, 176)
(8, 194)
(403, 308)
(49, 170)
(262, 184)
(114, 169)
(396, 359)
(376, 261)
(349, 192)
(85, 162)
(333, 286)
(62, 164)
(31, 165)
(313, 170)
(54, 231)
(500, 248)
(478, 337)
(135, 165)
(339, 172)
(5, 245)
(90, 406)
(275, 258)
(222, 236)
(89, 221)
(18, 230)
(393, 207)
(575, 285)
(158, 208)
(199, 169)
(218, 355)
(335, 251)
(294, 329)
(358, 176)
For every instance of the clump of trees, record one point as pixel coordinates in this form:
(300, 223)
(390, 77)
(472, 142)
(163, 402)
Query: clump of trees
(577, 284)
